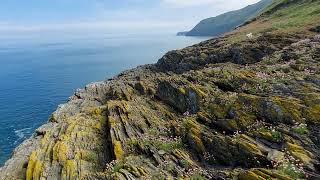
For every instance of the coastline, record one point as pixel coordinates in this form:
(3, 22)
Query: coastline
(34, 89)
(85, 100)
(21, 153)
(241, 106)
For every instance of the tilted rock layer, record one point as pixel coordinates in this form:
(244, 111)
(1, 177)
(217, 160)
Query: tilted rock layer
(234, 107)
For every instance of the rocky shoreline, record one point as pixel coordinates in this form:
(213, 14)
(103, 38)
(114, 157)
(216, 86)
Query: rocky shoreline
(15, 167)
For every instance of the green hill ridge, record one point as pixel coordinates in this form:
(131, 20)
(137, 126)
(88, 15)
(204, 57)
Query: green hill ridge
(226, 22)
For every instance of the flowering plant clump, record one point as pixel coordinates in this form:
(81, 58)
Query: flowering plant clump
(114, 166)
(290, 166)
(309, 71)
(208, 156)
(262, 75)
(291, 170)
(197, 174)
(301, 129)
(276, 135)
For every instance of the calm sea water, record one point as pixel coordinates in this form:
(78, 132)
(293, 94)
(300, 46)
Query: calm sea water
(39, 72)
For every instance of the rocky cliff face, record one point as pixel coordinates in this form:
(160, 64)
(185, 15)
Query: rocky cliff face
(235, 107)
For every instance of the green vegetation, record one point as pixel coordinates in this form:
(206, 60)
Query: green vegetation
(154, 131)
(301, 129)
(281, 17)
(276, 135)
(223, 23)
(185, 163)
(158, 176)
(118, 166)
(169, 146)
(90, 157)
(289, 169)
(295, 15)
(197, 176)
(170, 167)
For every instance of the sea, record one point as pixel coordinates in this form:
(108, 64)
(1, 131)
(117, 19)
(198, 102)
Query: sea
(39, 71)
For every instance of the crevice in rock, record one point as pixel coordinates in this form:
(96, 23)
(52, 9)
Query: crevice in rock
(224, 87)
(109, 149)
(124, 127)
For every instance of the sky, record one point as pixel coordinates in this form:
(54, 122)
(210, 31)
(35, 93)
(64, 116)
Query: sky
(113, 15)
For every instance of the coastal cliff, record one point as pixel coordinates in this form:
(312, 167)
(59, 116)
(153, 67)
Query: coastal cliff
(235, 107)
(215, 26)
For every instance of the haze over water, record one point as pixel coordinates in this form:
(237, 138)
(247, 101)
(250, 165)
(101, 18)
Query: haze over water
(40, 71)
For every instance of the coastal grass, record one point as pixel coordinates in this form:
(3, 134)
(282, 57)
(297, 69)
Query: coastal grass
(293, 18)
(301, 129)
(289, 169)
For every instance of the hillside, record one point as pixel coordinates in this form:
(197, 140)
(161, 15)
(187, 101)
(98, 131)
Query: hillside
(226, 22)
(233, 107)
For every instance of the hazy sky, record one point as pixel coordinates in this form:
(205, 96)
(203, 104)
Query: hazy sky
(175, 15)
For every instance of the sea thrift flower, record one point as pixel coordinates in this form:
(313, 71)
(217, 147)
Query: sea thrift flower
(250, 35)
(262, 75)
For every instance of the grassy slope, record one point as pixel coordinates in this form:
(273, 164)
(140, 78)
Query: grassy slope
(282, 17)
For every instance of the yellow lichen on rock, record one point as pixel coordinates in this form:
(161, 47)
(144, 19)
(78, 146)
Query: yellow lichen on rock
(95, 111)
(70, 170)
(249, 147)
(261, 174)
(142, 171)
(313, 113)
(48, 152)
(60, 151)
(194, 134)
(37, 171)
(31, 165)
(250, 176)
(290, 107)
(199, 92)
(117, 149)
(299, 153)
(182, 90)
